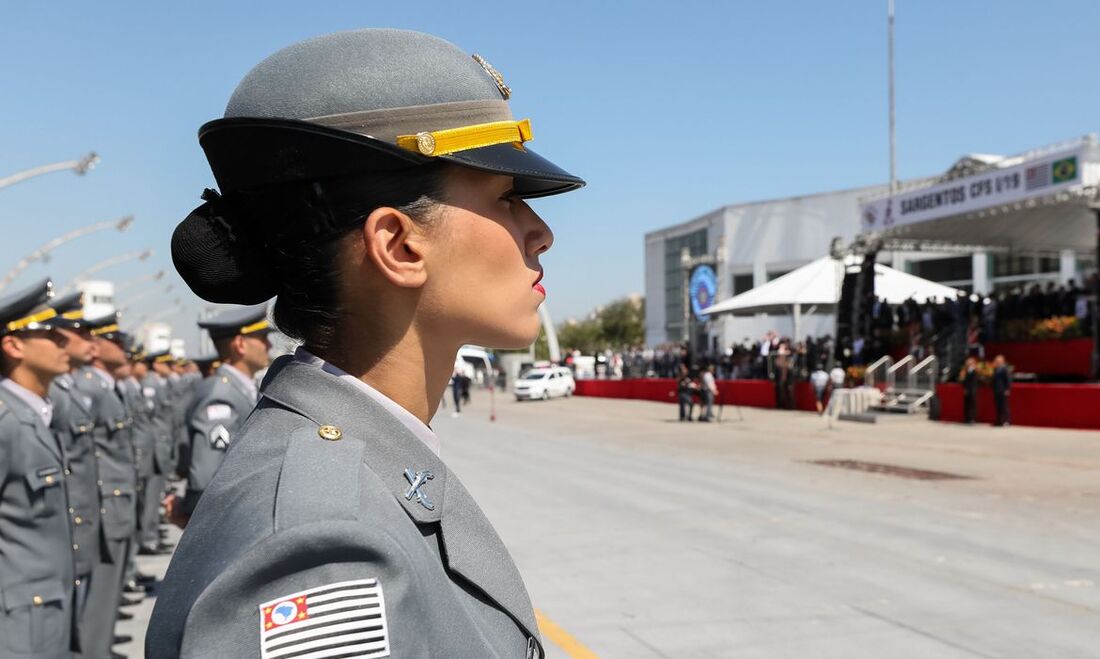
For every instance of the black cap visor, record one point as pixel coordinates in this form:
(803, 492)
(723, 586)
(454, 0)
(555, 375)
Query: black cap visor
(250, 153)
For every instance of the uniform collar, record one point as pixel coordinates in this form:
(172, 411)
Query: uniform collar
(104, 375)
(246, 382)
(407, 418)
(41, 407)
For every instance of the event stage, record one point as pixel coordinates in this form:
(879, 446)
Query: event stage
(1046, 405)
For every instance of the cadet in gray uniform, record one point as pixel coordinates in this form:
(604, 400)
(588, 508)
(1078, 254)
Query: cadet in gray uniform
(224, 400)
(374, 181)
(73, 424)
(155, 385)
(117, 480)
(36, 542)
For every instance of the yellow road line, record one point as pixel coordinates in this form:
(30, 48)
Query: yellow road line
(563, 639)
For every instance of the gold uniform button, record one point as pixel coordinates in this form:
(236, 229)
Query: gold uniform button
(77, 582)
(49, 480)
(37, 599)
(102, 511)
(71, 511)
(118, 493)
(76, 547)
(68, 472)
(99, 483)
(78, 520)
(330, 433)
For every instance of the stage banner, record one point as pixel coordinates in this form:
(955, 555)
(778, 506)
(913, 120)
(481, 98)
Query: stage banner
(703, 288)
(1004, 185)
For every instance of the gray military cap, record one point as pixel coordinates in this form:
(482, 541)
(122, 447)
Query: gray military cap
(70, 310)
(243, 320)
(28, 309)
(317, 120)
(370, 100)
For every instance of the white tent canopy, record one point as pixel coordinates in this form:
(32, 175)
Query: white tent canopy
(817, 284)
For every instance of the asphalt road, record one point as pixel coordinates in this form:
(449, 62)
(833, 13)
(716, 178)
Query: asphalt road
(642, 537)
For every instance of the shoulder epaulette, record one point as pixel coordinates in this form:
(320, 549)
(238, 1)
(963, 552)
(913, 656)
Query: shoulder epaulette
(319, 477)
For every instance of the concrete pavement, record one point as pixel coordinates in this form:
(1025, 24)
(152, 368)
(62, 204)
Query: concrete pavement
(639, 536)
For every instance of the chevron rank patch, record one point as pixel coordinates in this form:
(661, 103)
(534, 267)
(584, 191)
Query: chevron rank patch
(346, 619)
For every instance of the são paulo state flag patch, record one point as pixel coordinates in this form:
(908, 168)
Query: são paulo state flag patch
(346, 619)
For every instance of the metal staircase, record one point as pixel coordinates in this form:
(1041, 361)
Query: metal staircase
(910, 386)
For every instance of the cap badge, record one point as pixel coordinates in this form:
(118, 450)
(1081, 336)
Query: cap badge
(505, 90)
(426, 143)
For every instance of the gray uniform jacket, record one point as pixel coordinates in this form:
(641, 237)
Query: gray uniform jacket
(73, 424)
(114, 456)
(155, 390)
(182, 392)
(36, 557)
(313, 500)
(144, 430)
(221, 405)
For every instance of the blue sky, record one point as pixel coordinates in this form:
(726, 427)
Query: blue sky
(668, 110)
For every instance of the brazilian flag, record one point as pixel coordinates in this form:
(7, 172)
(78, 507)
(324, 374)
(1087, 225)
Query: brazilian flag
(1063, 170)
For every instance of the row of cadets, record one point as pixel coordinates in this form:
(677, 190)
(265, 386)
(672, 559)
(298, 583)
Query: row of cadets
(38, 552)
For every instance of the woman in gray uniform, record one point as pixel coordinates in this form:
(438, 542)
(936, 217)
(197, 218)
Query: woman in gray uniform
(374, 183)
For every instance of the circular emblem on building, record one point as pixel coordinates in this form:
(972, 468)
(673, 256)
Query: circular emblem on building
(702, 288)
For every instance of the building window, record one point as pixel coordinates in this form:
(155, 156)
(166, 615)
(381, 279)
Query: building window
(1014, 265)
(953, 269)
(776, 274)
(696, 243)
(742, 283)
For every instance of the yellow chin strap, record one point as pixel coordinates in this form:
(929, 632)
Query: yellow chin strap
(453, 140)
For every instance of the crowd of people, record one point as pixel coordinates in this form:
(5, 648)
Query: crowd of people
(96, 435)
(951, 329)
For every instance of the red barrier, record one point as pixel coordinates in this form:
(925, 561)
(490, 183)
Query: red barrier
(1070, 357)
(747, 393)
(1046, 405)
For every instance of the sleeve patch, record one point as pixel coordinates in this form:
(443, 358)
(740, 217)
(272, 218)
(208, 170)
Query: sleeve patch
(218, 411)
(219, 437)
(346, 619)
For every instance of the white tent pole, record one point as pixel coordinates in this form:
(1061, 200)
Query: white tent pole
(797, 321)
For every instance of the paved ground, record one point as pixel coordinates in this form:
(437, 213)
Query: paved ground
(641, 537)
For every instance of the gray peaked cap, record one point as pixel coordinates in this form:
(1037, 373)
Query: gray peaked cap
(334, 106)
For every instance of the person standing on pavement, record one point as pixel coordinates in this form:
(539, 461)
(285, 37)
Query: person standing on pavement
(73, 423)
(456, 391)
(708, 390)
(685, 393)
(37, 579)
(117, 483)
(1002, 388)
(819, 380)
(374, 183)
(223, 401)
(969, 379)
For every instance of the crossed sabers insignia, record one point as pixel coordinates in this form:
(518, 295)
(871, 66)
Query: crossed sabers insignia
(417, 481)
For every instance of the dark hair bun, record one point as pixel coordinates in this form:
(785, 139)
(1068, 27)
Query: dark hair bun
(212, 252)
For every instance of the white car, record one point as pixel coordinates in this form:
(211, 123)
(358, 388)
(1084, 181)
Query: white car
(545, 383)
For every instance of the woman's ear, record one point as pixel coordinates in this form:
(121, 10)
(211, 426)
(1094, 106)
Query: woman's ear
(396, 246)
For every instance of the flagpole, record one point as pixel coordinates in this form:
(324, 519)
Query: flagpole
(893, 140)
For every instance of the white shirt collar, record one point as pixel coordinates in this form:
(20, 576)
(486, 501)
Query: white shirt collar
(42, 407)
(248, 382)
(415, 425)
(105, 375)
